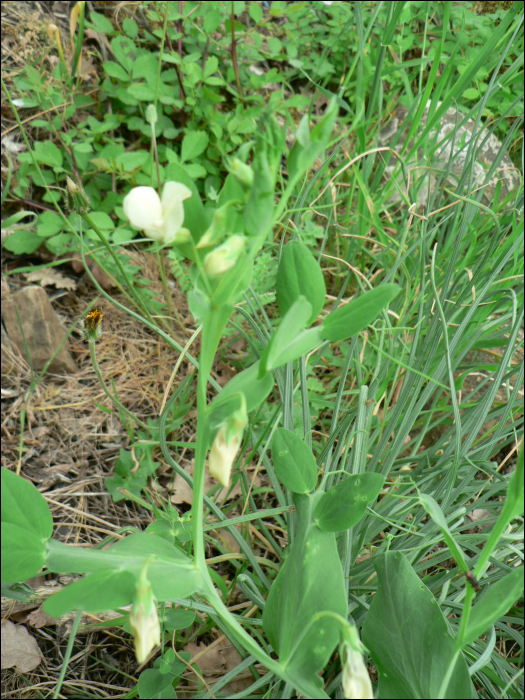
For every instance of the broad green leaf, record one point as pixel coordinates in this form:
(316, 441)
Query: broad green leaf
(343, 506)
(493, 605)
(115, 70)
(357, 315)
(193, 144)
(172, 573)
(310, 581)
(289, 328)
(48, 153)
(21, 242)
(293, 461)
(24, 505)
(435, 512)
(179, 619)
(105, 590)
(132, 160)
(309, 146)
(302, 344)
(299, 274)
(408, 636)
(101, 23)
(27, 524)
(255, 390)
(23, 553)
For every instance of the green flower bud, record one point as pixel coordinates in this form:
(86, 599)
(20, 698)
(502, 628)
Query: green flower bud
(242, 172)
(224, 256)
(144, 618)
(76, 199)
(151, 114)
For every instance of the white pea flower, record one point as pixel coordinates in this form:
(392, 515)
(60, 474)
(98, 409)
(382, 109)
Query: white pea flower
(144, 618)
(355, 682)
(227, 442)
(160, 220)
(222, 456)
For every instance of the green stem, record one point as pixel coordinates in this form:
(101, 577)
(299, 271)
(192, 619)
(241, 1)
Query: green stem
(110, 250)
(172, 309)
(107, 391)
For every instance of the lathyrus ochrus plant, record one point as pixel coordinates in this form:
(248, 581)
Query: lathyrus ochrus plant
(306, 612)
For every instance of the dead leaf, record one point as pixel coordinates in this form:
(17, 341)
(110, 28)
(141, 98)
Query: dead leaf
(48, 275)
(19, 648)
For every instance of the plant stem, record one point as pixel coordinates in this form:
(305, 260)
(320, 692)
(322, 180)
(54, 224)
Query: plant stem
(130, 286)
(169, 300)
(107, 391)
(234, 56)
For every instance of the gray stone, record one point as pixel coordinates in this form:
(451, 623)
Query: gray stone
(41, 326)
(454, 151)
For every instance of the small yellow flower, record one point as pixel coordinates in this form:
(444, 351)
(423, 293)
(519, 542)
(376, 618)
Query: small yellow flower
(90, 325)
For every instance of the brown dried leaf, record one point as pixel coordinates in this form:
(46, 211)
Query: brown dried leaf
(19, 648)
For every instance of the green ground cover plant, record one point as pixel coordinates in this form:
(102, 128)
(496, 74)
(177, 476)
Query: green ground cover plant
(365, 316)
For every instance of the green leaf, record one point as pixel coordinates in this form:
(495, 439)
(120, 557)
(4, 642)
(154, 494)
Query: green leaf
(145, 67)
(124, 51)
(27, 524)
(21, 242)
(357, 315)
(46, 152)
(132, 160)
(212, 21)
(294, 462)
(141, 92)
(343, 506)
(299, 274)
(310, 581)
(291, 325)
(493, 605)
(211, 66)
(274, 45)
(179, 619)
(130, 27)
(255, 390)
(193, 144)
(102, 220)
(105, 590)
(309, 146)
(408, 636)
(172, 573)
(23, 553)
(24, 505)
(435, 512)
(101, 23)
(302, 344)
(114, 70)
(256, 12)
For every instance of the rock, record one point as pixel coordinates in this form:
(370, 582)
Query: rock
(41, 326)
(451, 151)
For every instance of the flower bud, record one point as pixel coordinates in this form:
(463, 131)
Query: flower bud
(90, 325)
(144, 618)
(76, 199)
(151, 114)
(226, 444)
(242, 172)
(224, 256)
(356, 681)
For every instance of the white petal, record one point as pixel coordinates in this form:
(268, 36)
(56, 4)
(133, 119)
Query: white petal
(173, 194)
(142, 208)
